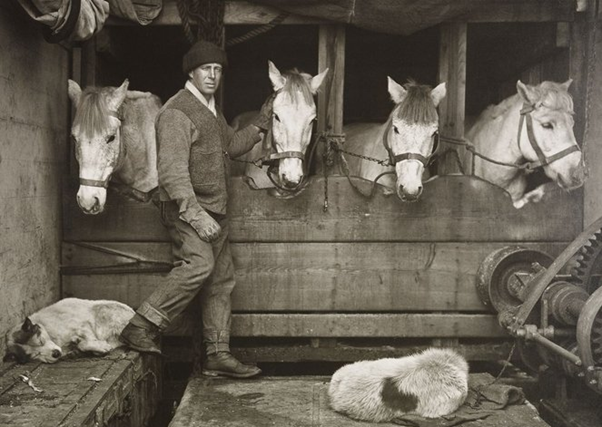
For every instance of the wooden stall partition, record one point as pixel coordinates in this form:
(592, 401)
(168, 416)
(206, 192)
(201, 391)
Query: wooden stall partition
(452, 71)
(365, 269)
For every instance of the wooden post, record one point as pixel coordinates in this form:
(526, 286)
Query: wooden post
(331, 55)
(452, 70)
(585, 67)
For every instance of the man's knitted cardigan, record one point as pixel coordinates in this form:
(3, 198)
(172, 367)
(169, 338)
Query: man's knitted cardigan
(191, 142)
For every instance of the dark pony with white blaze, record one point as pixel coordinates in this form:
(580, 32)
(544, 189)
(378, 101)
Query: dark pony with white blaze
(290, 133)
(114, 135)
(407, 138)
(532, 128)
(431, 384)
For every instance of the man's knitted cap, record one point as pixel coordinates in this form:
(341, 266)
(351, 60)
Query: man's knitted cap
(203, 52)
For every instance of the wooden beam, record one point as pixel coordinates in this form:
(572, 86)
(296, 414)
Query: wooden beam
(236, 13)
(452, 71)
(351, 351)
(247, 13)
(586, 71)
(382, 325)
(518, 11)
(331, 55)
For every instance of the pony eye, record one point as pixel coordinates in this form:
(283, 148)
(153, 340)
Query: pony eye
(276, 117)
(396, 130)
(111, 138)
(547, 125)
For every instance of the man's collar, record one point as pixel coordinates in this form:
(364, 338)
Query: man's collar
(210, 104)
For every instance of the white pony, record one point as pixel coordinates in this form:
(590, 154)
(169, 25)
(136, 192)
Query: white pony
(534, 127)
(407, 139)
(431, 384)
(114, 134)
(294, 114)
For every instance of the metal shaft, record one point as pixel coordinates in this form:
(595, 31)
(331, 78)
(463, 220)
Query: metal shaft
(556, 348)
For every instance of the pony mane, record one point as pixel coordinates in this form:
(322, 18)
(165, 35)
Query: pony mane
(92, 112)
(297, 81)
(551, 95)
(417, 106)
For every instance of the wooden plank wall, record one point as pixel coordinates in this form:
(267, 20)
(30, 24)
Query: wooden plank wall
(33, 142)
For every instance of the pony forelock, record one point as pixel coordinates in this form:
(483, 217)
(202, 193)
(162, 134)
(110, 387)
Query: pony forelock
(297, 82)
(417, 106)
(92, 112)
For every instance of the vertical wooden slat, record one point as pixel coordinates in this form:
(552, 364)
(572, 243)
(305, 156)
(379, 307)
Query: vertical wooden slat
(331, 55)
(89, 63)
(452, 70)
(585, 70)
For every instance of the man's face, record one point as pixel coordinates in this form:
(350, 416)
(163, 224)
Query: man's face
(207, 78)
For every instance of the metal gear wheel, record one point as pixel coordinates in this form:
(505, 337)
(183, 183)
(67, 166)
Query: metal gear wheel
(586, 265)
(589, 330)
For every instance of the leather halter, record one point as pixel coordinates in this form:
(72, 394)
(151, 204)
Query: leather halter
(396, 158)
(105, 183)
(525, 114)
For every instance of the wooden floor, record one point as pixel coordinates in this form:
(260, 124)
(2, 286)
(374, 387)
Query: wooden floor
(293, 402)
(120, 389)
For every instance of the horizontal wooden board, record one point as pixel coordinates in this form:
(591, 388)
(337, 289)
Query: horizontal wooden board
(451, 209)
(382, 325)
(493, 350)
(274, 277)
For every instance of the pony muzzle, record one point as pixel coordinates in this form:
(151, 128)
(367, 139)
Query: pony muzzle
(91, 200)
(409, 180)
(291, 172)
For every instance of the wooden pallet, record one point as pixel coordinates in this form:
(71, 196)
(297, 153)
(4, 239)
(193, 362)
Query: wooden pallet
(117, 390)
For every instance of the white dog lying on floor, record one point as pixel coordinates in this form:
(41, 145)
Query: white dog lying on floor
(69, 325)
(431, 384)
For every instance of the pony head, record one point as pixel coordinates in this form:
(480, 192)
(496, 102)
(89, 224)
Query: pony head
(410, 138)
(551, 109)
(293, 115)
(96, 134)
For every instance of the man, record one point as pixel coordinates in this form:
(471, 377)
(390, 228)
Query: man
(192, 138)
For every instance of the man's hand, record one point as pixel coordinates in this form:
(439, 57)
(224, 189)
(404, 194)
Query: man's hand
(206, 227)
(262, 121)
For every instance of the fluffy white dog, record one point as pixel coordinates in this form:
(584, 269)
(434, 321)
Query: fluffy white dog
(431, 384)
(69, 325)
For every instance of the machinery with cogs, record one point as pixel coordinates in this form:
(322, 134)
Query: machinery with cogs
(553, 307)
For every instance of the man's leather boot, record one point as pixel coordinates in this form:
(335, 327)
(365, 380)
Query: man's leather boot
(223, 363)
(141, 338)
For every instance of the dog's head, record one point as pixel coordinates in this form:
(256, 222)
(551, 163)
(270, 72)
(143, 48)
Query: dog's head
(30, 341)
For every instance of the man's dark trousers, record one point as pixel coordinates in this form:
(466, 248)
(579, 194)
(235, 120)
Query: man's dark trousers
(199, 266)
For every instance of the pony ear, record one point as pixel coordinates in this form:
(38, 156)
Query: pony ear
(438, 93)
(526, 92)
(317, 81)
(118, 95)
(74, 91)
(397, 92)
(275, 77)
(567, 84)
